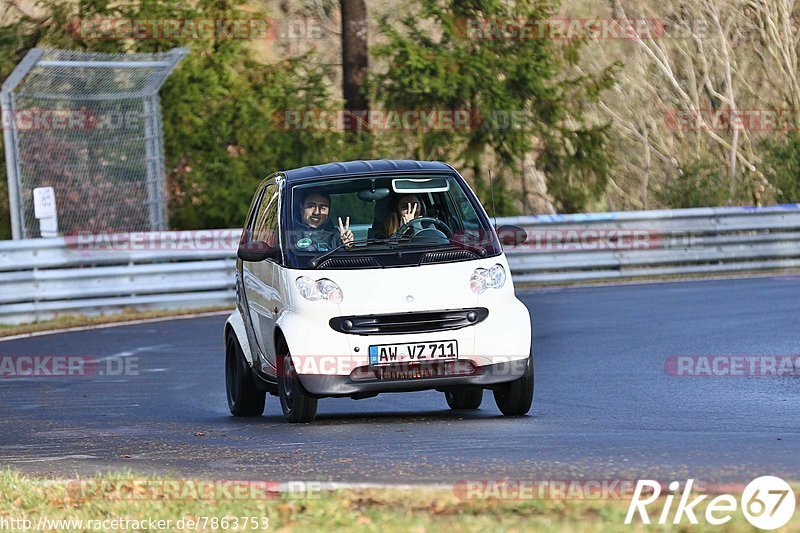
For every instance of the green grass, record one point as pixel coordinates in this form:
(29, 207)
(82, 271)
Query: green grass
(423, 509)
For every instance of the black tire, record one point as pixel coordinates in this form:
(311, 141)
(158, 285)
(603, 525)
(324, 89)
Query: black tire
(244, 398)
(464, 398)
(297, 404)
(515, 398)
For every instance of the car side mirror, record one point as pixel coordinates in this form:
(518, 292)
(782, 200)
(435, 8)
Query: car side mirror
(257, 251)
(511, 235)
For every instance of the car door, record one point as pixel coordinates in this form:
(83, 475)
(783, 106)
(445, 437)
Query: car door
(261, 280)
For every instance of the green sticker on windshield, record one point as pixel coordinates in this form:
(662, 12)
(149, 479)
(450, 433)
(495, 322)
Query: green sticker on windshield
(304, 242)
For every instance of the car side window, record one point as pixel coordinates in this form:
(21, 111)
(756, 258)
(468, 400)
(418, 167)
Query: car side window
(265, 226)
(465, 210)
(247, 232)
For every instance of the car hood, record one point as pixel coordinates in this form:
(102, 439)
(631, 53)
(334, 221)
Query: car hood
(405, 289)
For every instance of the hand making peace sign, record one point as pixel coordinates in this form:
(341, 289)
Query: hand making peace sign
(410, 214)
(345, 233)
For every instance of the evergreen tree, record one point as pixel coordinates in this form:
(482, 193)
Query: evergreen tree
(221, 108)
(452, 56)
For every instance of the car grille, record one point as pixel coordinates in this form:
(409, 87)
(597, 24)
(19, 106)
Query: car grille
(402, 323)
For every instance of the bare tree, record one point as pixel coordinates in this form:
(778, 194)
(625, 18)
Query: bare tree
(714, 60)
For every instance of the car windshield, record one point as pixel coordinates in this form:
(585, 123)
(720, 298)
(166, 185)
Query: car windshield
(382, 215)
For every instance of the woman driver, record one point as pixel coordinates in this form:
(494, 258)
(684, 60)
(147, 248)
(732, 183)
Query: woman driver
(405, 209)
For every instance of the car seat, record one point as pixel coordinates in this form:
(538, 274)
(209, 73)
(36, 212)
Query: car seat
(378, 229)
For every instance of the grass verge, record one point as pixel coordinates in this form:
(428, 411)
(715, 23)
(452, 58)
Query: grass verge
(423, 509)
(127, 315)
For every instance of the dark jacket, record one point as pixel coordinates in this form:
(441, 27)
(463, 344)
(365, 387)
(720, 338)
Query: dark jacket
(321, 239)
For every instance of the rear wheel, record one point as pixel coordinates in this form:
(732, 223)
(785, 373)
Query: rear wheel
(515, 398)
(464, 398)
(297, 404)
(244, 398)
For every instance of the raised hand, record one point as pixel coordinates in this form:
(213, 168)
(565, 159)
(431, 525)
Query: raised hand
(345, 233)
(410, 214)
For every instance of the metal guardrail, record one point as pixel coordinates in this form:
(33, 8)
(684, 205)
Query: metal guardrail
(42, 278)
(646, 244)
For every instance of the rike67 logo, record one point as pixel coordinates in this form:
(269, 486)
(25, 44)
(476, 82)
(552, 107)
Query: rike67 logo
(767, 502)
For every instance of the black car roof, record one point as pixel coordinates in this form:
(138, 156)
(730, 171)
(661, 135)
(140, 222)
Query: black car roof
(362, 167)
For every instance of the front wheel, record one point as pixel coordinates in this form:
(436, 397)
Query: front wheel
(464, 398)
(515, 398)
(244, 398)
(297, 404)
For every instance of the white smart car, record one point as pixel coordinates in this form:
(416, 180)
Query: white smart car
(374, 276)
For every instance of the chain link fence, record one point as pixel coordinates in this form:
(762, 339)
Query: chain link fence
(89, 125)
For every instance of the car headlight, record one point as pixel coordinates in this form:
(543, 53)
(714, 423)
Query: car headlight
(323, 289)
(487, 278)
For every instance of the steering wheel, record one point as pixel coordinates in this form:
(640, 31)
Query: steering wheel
(417, 225)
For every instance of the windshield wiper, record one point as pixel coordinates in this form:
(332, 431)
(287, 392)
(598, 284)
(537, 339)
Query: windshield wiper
(417, 247)
(479, 250)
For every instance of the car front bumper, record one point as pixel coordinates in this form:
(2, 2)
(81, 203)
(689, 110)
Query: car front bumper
(331, 363)
(403, 378)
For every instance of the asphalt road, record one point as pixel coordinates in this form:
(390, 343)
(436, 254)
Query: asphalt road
(604, 407)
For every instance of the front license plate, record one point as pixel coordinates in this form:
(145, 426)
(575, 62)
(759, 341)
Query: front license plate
(415, 352)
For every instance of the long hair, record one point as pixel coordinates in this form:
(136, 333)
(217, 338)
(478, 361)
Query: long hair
(392, 222)
(393, 216)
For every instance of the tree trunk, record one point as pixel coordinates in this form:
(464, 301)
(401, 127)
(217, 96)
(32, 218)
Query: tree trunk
(537, 201)
(355, 63)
